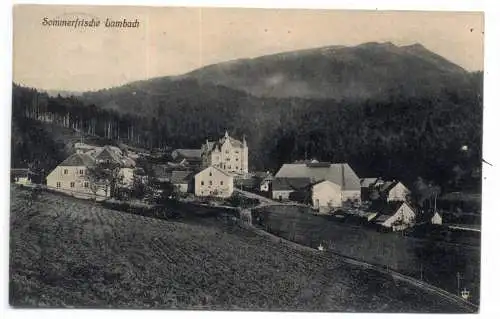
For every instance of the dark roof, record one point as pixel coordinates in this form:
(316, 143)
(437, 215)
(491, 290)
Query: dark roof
(188, 153)
(290, 184)
(180, 177)
(78, 159)
(341, 173)
(387, 186)
(389, 208)
(381, 218)
(161, 170)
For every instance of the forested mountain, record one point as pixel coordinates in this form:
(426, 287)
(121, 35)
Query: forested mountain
(370, 70)
(399, 112)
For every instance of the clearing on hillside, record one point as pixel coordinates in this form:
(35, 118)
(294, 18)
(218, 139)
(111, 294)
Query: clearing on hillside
(66, 252)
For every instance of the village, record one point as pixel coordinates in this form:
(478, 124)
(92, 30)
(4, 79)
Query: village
(220, 169)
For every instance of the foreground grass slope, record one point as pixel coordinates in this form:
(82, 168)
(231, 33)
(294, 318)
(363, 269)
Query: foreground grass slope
(72, 253)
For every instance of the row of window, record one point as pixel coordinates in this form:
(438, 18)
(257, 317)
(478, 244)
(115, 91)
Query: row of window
(210, 183)
(81, 172)
(72, 184)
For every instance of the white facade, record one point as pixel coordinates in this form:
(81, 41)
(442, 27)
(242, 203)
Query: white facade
(281, 194)
(213, 181)
(227, 154)
(351, 195)
(265, 186)
(397, 193)
(126, 176)
(71, 180)
(437, 219)
(326, 195)
(403, 218)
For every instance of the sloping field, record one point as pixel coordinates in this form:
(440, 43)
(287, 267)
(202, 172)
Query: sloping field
(72, 253)
(435, 262)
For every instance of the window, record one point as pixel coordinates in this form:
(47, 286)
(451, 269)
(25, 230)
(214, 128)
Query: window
(227, 151)
(221, 182)
(210, 182)
(58, 184)
(227, 159)
(72, 184)
(202, 183)
(81, 172)
(86, 184)
(236, 167)
(65, 172)
(210, 174)
(237, 152)
(237, 159)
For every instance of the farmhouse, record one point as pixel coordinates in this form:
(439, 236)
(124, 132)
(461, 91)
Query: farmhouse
(213, 181)
(394, 191)
(71, 177)
(395, 215)
(325, 196)
(340, 174)
(228, 154)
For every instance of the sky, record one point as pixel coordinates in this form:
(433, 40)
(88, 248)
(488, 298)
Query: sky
(173, 41)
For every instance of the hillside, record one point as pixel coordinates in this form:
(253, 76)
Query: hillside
(72, 253)
(370, 70)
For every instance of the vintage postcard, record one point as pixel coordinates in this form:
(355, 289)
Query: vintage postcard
(246, 159)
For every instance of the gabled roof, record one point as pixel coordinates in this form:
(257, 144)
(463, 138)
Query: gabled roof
(106, 153)
(389, 208)
(217, 169)
(387, 186)
(290, 184)
(78, 159)
(180, 177)
(341, 174)
(188, 153)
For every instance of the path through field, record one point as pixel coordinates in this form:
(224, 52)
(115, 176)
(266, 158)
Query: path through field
(74, 253)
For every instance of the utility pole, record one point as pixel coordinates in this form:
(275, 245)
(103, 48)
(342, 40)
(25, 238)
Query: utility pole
(458, 283)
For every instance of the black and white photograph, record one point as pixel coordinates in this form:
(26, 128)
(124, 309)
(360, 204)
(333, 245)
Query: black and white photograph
(244, 159)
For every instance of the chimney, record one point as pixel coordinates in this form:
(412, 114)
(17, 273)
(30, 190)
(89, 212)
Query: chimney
(343, 175)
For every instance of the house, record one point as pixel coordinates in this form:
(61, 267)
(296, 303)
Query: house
(436, 219)
(283, 187)
(213, 181)
(394, 191)
(21, 176)
(395, 215)
(339, 173)
(227, 153)
(326, 195)
(71, 177)
(182, 180)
